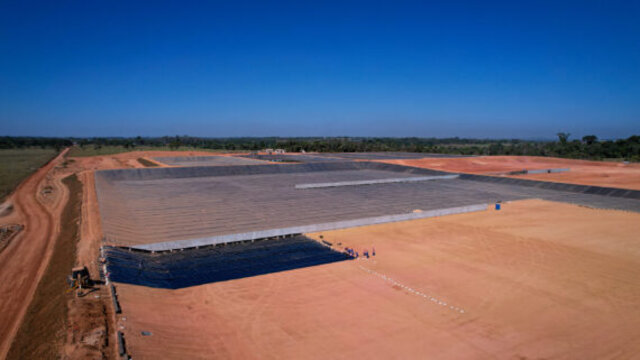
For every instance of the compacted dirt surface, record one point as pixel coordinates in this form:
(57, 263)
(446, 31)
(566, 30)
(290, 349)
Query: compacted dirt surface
(599, 173)
(130, 159)
(535, 280)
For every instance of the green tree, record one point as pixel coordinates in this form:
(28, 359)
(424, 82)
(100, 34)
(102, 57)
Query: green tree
(589, 139)
(563, 137)
(176, 143)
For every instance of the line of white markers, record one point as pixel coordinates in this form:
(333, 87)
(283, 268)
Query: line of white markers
(427, 297)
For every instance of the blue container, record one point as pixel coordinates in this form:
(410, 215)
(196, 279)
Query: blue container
(497, 206)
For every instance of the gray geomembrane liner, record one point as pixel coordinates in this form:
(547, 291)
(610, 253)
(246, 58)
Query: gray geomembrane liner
(214, 160)
(300, 158)
(535, 171)
(146, 206)
(388, 155)
(256, 235)
(575, 188)
(167, 173)
(548, 171)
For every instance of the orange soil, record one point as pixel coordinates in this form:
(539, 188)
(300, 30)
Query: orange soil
(88, 247)
(523, 282)
(130, 159)
(24, 260)
(582, 172)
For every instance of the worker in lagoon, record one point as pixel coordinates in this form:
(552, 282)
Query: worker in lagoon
(349, 251)
(140, 267)
(373, 251)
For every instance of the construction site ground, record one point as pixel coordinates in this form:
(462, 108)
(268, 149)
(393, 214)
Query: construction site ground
(537, 279)
(599, 173)
(37, 204)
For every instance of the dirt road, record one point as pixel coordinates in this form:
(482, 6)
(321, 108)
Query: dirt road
(24, 260)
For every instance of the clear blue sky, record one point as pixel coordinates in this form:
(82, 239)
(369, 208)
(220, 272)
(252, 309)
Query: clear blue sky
(525, 69)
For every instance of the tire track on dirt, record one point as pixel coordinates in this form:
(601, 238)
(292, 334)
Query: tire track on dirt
(23, 262)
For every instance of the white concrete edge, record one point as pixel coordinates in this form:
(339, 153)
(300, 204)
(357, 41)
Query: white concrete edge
(222, 239)
(372, 182)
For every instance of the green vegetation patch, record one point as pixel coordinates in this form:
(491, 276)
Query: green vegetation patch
(96, 151)
(91, 150)
(17, 164)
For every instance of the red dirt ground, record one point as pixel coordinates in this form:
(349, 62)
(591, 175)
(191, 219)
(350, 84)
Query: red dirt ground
(534, 280)
(24, 260)
(130, 159)
(582, 172)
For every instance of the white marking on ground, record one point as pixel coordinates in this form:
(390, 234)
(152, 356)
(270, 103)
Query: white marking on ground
(410, 290)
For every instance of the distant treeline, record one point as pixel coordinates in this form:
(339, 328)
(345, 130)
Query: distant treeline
(21, 142)
(588, 147)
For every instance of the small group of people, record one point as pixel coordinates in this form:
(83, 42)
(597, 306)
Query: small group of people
(355, 254)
